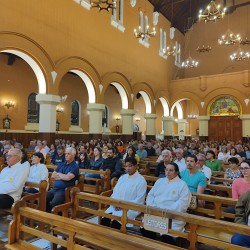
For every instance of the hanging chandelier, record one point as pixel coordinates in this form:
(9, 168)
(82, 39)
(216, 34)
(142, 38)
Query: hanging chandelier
(240, 55)
(245, 41)
(171, 50)
(229, 38)
(212, 12)
(189, 63)
(203, 49)
(104, 5)
(142, 34)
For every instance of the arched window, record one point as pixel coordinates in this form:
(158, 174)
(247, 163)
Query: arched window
(105, 117)
(33, 109)
(75, 112)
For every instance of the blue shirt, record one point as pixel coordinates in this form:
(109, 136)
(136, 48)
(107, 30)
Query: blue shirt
(142, 154)
(65, 168)
(193, 181)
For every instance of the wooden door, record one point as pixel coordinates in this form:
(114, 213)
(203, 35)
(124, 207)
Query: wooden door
(224, 127)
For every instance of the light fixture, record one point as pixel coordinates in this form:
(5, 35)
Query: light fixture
(212, 12)
(192, 116)
(246, 41)
(142, 34)
(118, 119)
(137, 119)
(203, 49)
(189, 63)
(171, 50)
(104, 5)
(9, 104)
(229, 38)
(240, 55)
(59, 110)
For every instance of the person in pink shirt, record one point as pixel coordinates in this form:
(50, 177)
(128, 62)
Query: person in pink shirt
(241, 185)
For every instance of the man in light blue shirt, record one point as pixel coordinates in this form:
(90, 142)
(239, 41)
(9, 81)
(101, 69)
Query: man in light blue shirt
(195, 179)
(142, 153)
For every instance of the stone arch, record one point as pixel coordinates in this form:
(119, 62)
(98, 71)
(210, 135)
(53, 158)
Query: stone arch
(238, 95)
(84, 70)
(178, 106)
(33, 54)
(148, 96)
(165, 106)
(121, 83)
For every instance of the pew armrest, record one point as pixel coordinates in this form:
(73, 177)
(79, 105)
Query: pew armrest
(63, 209)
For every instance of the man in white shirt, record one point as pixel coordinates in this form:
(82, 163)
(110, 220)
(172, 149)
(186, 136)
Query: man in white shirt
(12, 179)
(130, 187)
(203, 168)
(180, 161)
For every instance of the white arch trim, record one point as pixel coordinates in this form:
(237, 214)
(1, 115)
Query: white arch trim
(35, 67)
(122, 93)
(88, 84)
(165, 106)
(179, 109)
(147, 102)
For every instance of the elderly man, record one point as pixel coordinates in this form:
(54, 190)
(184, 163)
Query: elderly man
(180, 161)
(12, 179)
(160, 169)
(202, 167)
(195, 180)
(65, 175)
(142, 153)
(242, 216)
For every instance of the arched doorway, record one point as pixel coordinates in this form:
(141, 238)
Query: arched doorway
(224, 121)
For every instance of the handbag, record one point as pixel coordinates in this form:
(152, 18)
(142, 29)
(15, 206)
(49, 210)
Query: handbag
(193, 202)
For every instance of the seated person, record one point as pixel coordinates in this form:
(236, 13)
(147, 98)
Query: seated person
(131, 152)
(160, 168)
(130, 187)
(83, 160)
(195, 180)
(59, 156)
(38, 171)
(242, 216)
(202, 167)
(233, 172)
(141, 152)
(65, 176)
(12, 179)
(211, 162)
(169, 193)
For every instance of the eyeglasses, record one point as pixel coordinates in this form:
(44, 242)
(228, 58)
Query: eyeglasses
(244, 169)
(9, 156)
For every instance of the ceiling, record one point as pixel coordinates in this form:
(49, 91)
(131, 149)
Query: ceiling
(184, 13)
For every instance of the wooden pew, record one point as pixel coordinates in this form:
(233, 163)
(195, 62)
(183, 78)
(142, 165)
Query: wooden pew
(227, 189)
(144, 167)
(76, 235)
(221, 180)
(200, 229)
(100, 185)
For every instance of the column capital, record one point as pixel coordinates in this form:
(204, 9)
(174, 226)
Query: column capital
(48, 99)
(128, 112)
(181, 121)
(168, 118)
(150, 116)
(203, 118)
(95, 106)
(245, 117)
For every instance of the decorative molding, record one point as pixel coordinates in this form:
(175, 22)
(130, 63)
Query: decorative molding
(54, 75)
(117, 25)
(171, 33)
(100, 87)
(132, 97)
(246, 101)
(202, 104)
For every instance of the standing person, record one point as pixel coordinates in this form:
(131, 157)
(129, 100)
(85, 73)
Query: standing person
(130, 187)
(65, 176)
(160, 168)
(38, 171)
(242, 216)
(195, 180)
(180, 161)
(169, 193)
(12, 179)
(211, 162)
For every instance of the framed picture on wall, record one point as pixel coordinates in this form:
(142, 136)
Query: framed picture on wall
(6, 122)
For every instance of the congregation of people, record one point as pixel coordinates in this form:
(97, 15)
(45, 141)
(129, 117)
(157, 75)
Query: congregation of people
(183, 168)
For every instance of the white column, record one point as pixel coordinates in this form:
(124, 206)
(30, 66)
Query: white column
(168, 125)
(182, 128)
(203, 125)
(95, 117)
(150, 124)
(127, 121)
(47, 118)
(245, 125)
